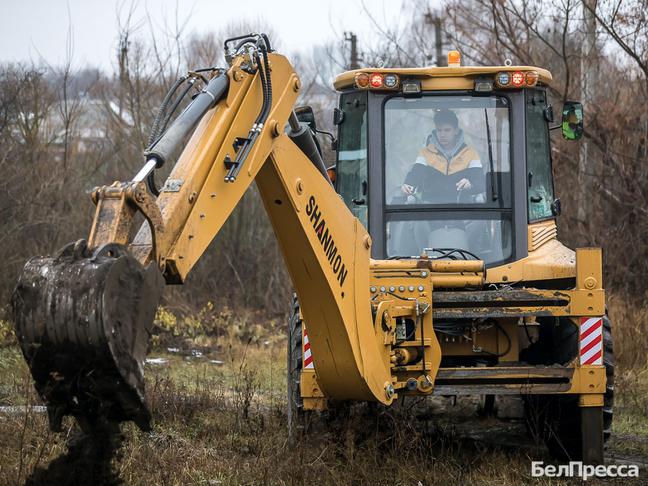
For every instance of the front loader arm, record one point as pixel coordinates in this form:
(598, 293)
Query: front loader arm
(326, 250)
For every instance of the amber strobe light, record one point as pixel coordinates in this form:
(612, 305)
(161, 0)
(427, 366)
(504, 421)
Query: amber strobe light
(454, 59)
(532, 78)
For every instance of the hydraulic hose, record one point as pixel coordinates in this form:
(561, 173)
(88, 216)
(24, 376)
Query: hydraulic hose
(155, 129)
(177, 102)
(164, 147)
(300, 134)
(160, 124)
(266, 88)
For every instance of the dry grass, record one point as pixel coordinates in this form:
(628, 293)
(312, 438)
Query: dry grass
(630, 330)
(220, 418)
(225, 424)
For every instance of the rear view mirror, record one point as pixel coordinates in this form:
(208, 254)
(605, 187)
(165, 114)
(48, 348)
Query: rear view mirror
(338, 116)
(305, 115)
(548, 113)
(572, 120)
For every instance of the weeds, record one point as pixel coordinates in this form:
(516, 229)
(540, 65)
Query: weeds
(210, 325)
(220, 424)
(7, 335)
(629, 325)
(220, 418)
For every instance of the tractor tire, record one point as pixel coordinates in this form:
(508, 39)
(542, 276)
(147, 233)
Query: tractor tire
(296, 413)
(557, 419)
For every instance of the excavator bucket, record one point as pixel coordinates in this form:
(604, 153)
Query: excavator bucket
(83, 322)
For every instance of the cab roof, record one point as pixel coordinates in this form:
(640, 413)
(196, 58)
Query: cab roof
(442, 78)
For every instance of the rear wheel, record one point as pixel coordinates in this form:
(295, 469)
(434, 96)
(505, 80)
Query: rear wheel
(558, 419)
(296, 412)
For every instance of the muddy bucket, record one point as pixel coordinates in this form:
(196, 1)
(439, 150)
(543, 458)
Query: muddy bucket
(83, 322)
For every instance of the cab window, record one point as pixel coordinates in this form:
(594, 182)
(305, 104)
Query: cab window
(539, 179)
(448, 177)
(351, 180)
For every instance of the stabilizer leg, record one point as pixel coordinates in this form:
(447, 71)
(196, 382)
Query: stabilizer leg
(592, 435)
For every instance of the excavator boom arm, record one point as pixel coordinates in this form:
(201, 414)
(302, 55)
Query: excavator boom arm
(325, 248)
(239, 139)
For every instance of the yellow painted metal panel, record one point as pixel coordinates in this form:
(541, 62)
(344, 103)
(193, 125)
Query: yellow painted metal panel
(328, 261)
(552, 260)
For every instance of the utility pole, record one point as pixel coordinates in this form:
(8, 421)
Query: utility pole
(352, 39)
(434, 19)
(122, 59)
(587, 167)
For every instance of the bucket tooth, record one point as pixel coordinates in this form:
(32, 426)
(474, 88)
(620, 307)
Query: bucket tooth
(83, 322)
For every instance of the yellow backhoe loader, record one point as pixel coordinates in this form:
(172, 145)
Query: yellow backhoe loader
(430, 266)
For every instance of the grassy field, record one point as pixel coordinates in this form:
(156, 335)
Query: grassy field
(220, 418)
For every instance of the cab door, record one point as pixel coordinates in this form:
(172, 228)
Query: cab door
(540, 189)
(351, 167)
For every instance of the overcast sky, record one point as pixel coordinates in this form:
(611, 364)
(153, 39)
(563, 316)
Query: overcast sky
(35, 29)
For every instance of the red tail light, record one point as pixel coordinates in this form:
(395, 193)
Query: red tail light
(376, 80)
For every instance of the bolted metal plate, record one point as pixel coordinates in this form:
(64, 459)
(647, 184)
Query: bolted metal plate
(172, 185)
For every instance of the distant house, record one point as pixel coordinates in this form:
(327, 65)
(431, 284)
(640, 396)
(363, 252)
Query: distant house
(88, 130)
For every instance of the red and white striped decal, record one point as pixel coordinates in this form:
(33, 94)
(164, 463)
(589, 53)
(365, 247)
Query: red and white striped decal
(308, 356)
(591, 341)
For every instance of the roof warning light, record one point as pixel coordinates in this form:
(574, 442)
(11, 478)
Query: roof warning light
(454, 59)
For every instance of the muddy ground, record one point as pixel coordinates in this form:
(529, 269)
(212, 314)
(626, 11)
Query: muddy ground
(219, 418)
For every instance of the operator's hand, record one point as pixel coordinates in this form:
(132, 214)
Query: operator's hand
(407, 189)
(463, 184)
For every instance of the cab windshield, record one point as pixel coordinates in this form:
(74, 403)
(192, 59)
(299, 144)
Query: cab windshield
(447, 175)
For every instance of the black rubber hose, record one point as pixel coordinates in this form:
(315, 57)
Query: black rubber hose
(252, 135)
(151, 184)
(155, 131)
(264, 78)
(266, 67)
(163, 148)
(177, 102)
(264, 90)
(243, 42)
(267, 42)
(246, 38)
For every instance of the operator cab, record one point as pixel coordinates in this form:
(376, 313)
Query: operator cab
(450, 161)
